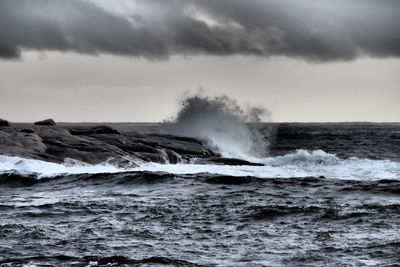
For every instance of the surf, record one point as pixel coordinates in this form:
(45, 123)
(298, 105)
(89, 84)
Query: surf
(302, 163)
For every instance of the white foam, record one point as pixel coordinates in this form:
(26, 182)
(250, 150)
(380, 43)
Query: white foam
(296, 165)
(299, 164)
(48, 169)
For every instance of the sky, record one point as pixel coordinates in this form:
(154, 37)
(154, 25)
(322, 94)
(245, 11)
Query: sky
(132, 60)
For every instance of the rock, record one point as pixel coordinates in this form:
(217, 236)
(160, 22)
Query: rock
(102, 129)
(227, 161)
(4, 123)
(100, 144)
(180, 145)
(32, 142)
(27, 131)
(15, 143)
(48, 122)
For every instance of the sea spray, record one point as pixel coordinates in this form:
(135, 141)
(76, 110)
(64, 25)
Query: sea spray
(225, 127)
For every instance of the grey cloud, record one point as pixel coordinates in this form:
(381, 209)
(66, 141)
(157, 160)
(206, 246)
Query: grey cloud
(316, 30)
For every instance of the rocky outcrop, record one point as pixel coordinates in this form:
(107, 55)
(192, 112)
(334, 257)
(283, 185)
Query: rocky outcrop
(48, 122)
(102, 129)
(4, 123)
(101, 144)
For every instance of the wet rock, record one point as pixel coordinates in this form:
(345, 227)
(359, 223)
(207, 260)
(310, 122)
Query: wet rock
(48, 122)
(99, 144)
(180, 145)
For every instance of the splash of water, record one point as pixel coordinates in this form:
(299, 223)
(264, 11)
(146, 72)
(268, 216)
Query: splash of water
(223, 125)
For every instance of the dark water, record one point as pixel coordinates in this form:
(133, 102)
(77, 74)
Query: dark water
(153, 219)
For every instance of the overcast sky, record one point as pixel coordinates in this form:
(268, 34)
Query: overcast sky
(131, 60)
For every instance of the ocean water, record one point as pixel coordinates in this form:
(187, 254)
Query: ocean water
(328, 195)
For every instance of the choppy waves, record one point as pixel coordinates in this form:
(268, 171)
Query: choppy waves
(300, 164)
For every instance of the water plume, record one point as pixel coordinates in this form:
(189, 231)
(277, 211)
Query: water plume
(223, 124)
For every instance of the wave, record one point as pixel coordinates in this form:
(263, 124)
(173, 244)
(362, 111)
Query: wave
(223, 125)
(300, 164)
(44, 169)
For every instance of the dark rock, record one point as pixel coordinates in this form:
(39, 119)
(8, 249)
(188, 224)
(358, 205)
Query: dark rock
(27, 131)
(179, 138)
(101, 144)
(179, 145)
(151, 157)
(48, 122)
(102, 129)
(4, 123)
(227, 161)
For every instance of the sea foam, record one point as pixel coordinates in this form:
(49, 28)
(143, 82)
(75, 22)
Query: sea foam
(42, 169)
(302, 163)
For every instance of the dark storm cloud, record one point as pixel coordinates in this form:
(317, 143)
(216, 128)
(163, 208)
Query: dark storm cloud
(317, 30)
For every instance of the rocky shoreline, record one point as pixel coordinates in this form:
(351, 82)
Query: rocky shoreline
(98, 144)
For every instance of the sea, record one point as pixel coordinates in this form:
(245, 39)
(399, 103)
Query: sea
(327, 195)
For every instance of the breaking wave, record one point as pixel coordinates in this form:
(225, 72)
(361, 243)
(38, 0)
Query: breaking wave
(43, 169)
(302, 163)
(223, 125)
